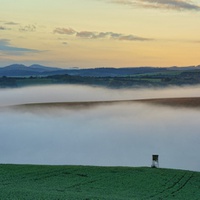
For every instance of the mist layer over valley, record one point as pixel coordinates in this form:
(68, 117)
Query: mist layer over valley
(78, 93)
(121, 134)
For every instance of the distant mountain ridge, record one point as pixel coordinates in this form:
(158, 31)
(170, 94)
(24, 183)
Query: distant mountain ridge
(19, 70)
(22, 70)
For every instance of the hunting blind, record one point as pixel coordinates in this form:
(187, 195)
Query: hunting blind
(155, 161)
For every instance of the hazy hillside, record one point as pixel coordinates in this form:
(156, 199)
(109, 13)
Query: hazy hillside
(22, 70)
(20, 75)
(19, 182)
(39, 70)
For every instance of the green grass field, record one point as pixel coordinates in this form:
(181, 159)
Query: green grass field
(87, 183)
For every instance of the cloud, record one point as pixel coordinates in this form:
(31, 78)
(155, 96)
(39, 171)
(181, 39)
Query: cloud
(99, 35)
(110, 35)
(86, 34)
(5, 46)
(94, 35)
(11, 23)
(2, 28)
(67, 31)
(132, 38)
(160, 4)
(28, 28)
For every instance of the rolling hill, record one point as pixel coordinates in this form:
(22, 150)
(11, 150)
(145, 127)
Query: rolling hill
(18, 182)
(17, 70)
(20, 76)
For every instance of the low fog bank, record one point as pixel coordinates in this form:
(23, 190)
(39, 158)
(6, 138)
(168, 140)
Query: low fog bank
(105, 135)
(77, 93)
(125, 135)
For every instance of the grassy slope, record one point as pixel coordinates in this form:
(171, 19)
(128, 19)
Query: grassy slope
(82, 182)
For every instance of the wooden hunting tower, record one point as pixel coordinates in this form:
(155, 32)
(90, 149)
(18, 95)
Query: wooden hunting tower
(155, 161)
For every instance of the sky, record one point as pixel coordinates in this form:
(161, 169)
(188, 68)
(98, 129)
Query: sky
(100, 33)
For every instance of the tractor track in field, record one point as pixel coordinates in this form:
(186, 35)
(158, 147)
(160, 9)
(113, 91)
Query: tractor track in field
(182, 185)
(83, 183)
(26, 177)
(174, 188)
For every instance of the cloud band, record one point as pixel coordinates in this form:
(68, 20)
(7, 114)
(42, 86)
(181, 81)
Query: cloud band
(160, 4)
(99, 35)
